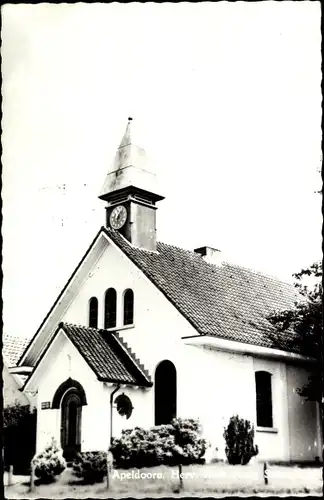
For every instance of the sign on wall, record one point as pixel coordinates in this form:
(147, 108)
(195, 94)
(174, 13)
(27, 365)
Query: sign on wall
(45, 405)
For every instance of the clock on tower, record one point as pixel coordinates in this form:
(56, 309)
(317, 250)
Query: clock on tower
(131, 194)
(118, 217)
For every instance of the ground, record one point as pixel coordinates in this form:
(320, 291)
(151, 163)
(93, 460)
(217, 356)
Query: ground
(218, 479)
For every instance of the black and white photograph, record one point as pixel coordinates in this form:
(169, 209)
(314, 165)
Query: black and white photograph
(162, 249)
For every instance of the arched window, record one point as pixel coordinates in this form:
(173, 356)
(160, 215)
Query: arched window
(128, 307)
(93, 312)
(263, 399)
(110, 308)
(165, 393)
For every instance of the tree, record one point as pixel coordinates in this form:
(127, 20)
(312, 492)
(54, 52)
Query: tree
(306, 319)
(14, 414)
(19, 436)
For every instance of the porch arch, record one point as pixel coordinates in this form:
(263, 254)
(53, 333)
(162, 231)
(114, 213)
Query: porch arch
(68, 384)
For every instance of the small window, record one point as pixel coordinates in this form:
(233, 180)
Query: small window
(110, 308)
(124, 405)
(93, 312)
(263, 399)
(128, 307)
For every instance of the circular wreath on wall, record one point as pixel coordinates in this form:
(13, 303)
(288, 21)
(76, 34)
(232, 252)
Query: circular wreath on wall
(124, 405)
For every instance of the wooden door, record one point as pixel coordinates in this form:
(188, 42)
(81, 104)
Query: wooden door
(71, 424)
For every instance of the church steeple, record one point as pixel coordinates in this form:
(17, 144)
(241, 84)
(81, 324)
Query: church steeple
(129, 168)
(131, 192)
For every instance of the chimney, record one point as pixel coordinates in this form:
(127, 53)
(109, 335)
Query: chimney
(210, 255)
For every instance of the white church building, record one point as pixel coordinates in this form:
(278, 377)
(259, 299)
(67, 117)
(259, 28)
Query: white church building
(145, 331)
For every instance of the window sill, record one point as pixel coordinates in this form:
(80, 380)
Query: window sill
(271, 430)
(119, 328)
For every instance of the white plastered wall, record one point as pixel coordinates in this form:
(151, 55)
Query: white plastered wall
(61, 362)
(304, 426)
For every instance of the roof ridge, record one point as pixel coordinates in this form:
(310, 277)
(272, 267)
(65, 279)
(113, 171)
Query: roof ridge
(229, 263)
(188, 250)
(259, 273)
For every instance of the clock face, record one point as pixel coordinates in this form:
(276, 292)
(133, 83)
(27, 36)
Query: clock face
(118, 217)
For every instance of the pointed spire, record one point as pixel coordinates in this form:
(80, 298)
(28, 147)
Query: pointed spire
(127, 138)
(129, 168)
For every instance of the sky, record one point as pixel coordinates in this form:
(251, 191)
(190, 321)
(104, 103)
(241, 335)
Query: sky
(227, 101)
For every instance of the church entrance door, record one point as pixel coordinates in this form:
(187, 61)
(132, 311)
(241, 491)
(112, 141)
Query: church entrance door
(71, 409)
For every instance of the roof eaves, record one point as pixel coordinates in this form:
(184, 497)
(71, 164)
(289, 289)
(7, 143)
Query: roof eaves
(116, 381)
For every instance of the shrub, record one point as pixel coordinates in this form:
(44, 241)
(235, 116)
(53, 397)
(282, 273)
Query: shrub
(190, 447)
(169, 444)
(239, 436)
(49, 463)
(91, 466)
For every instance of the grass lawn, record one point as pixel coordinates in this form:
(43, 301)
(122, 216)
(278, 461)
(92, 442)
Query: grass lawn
(217, 479)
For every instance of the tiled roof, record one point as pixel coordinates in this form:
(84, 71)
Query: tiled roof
(12, 349)
(106, 355)
(226, 301)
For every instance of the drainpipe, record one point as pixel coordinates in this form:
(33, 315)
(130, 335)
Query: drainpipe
(111, 410)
